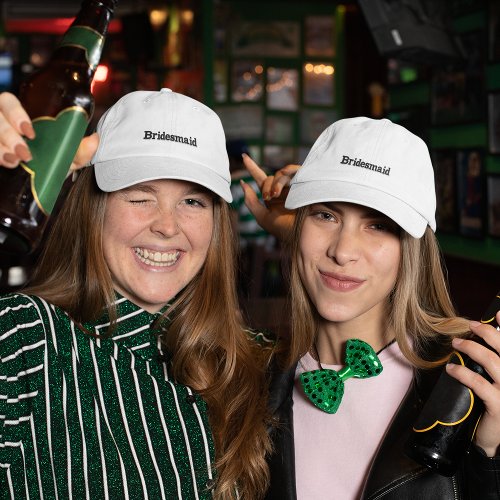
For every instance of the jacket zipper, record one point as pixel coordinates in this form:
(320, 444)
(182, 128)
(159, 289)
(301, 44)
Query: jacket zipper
(396, 486)
(455, 487)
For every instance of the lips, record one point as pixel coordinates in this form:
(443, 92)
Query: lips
(339, 282)
(155, 258)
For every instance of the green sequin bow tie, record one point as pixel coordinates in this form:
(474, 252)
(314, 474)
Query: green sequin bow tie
(325, 387)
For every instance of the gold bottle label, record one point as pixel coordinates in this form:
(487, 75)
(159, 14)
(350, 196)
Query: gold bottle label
(53, 149)
(87, 39)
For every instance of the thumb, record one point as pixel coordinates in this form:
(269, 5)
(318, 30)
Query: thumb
(86, 151)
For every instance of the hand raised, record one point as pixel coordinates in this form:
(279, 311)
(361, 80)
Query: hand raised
(272, 215)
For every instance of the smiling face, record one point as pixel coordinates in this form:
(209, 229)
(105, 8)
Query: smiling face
(155, 239)
(348, 261)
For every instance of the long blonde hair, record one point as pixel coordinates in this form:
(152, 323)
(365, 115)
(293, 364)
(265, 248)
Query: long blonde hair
(420, 309)
(211, 351)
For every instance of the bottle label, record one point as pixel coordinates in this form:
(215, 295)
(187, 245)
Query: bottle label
(87, 39)
(53, 149)
(437, 410)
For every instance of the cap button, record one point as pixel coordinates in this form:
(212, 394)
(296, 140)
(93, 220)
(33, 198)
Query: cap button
(165, 90)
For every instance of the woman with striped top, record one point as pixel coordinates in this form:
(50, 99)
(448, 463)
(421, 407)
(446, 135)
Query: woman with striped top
(124, 369)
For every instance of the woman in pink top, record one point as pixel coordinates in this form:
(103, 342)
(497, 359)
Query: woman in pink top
(365, 265)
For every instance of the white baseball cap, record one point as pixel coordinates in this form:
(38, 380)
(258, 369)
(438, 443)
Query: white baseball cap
(375, 163)
(149, 135)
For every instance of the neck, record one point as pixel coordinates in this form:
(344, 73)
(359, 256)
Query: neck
(332, 336)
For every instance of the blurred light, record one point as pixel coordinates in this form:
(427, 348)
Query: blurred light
(187, 17)
(101, 75)
(17, 276)
(36, 59)
(259, 69)
(158, 17)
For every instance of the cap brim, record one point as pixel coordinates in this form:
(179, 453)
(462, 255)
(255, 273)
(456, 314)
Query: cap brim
(120, 173)
(307, 193)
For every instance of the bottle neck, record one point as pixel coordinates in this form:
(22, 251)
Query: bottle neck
(84, 40)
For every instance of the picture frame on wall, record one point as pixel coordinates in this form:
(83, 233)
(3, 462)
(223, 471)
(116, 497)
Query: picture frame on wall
(280, 129)
(319, 36)
(243, 121)
(276, 156)
(493, 194)
(319, 84)
(247, 81)
(272, 38)
(445, 167)
(282, 90)
(458, 93)
(471, 192)
(313, 121)
(494, 122)
(494, 31)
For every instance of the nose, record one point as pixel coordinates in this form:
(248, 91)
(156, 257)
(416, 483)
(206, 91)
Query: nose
(165, 224)
(345, 246)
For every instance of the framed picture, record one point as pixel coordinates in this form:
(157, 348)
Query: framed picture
(457, 94)
(247, 81)
(493, 187)
(282, 89)
(280, 129)
(244, 121)
(445, 167)
(272, 38)
(494, 31)
(276, 157)
(318, 84)
(313, 122)
(220, 80)
(319, 36)
(471, 199)
(494, 122)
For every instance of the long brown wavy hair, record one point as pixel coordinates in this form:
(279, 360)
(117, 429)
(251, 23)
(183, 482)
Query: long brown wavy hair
(211, 351)
(420, 311)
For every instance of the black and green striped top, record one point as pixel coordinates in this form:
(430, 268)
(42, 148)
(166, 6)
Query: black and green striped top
(89, 417)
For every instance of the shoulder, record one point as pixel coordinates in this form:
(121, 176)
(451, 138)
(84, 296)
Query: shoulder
(22, 320)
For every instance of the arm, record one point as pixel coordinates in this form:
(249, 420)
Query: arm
(15, 127)
(272, 215)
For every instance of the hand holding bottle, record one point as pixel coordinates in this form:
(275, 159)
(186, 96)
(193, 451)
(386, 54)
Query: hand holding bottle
(15, 126)
(487, 434)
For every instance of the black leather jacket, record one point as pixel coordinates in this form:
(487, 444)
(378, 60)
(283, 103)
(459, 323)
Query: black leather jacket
(393, 476)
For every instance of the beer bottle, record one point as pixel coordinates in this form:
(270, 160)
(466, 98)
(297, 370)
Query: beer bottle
(446, 425)
(60, 104)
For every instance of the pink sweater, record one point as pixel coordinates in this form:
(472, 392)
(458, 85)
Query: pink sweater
(333, 453)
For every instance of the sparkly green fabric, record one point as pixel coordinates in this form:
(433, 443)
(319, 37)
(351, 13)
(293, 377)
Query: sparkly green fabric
(95, 417)
(325, 387)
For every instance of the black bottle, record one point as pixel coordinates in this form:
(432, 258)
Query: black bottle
(445, 427)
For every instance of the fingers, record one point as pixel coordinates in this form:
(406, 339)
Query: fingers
(488, 432)
(14, 123)
(489, 359)
(252, 202)
(254, 170)
(85, 151)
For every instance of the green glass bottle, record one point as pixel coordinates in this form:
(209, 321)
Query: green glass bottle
(59, 101)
